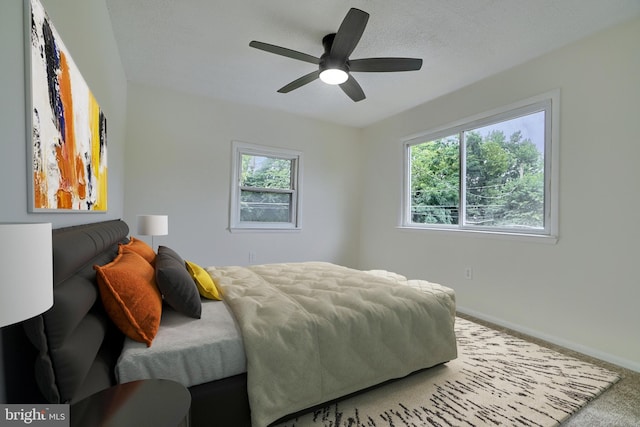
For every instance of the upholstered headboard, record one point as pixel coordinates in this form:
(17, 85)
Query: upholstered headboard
(77, 344)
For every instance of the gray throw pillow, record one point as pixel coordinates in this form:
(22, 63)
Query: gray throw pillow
(176, 284)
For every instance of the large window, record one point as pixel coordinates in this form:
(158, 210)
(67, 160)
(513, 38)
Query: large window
(265, 191)
(493, 173)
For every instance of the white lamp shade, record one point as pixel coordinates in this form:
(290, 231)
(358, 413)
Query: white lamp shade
(26, 271)
(153, 225)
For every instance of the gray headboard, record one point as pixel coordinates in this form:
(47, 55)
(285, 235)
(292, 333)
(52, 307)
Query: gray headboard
(76, 342)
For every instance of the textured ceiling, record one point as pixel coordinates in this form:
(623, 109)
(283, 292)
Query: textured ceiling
(202, 46)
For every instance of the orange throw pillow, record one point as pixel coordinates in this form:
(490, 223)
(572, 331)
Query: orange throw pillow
(130, 295)
(141, 248)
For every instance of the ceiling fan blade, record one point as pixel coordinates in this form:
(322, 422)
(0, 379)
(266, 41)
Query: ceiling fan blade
(353, 89)
(283, 51)
(308, 78)
(349, 33)
(385, 64)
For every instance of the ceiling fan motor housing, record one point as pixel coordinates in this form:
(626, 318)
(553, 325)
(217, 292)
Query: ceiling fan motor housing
(327, 61)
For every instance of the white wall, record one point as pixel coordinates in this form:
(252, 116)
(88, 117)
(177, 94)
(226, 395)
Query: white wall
(583, 291)
(85, 28)
(178, 161)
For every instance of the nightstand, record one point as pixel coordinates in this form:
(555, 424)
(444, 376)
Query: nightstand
(152, 403)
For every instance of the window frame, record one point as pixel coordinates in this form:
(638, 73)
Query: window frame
(243, 148)
(548, 102)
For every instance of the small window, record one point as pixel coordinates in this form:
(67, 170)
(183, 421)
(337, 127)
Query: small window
(265, 191)
(492, 173)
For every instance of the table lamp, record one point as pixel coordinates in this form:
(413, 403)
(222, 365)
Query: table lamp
(153, 225)
(26, 271)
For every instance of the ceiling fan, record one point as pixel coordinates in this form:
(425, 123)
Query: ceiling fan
(334, 66)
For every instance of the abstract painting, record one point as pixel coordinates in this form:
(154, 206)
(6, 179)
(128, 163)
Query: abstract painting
(68, 143)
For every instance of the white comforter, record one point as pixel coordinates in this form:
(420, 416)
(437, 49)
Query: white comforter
(316, 331)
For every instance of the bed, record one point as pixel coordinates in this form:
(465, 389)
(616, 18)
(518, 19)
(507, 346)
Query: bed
(292, 336)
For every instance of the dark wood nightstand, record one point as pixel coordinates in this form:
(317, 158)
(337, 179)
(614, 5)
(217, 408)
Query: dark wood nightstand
(152, 403)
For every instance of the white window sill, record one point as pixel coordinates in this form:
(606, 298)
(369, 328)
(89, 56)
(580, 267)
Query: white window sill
(501, 235)
(264, 230)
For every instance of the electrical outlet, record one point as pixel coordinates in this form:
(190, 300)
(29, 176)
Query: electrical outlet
(468, 273)
(252, 257)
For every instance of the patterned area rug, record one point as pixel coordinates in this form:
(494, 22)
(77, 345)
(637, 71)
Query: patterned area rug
(497, 380)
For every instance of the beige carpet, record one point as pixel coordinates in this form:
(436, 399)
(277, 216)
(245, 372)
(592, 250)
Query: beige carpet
(497, 380)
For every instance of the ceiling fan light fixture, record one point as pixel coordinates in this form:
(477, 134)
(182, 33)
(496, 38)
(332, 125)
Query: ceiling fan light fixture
(334, 76)
(334, 64)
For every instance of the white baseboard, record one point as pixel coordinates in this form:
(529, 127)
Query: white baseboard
(607, 357)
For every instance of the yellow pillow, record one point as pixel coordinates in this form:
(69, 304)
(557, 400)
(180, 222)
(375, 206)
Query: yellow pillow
(204, 282)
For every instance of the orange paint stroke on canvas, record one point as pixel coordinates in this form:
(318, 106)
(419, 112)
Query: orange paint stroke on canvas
(40, 188)
(72, 174)
(81, 183)
(63, 198)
